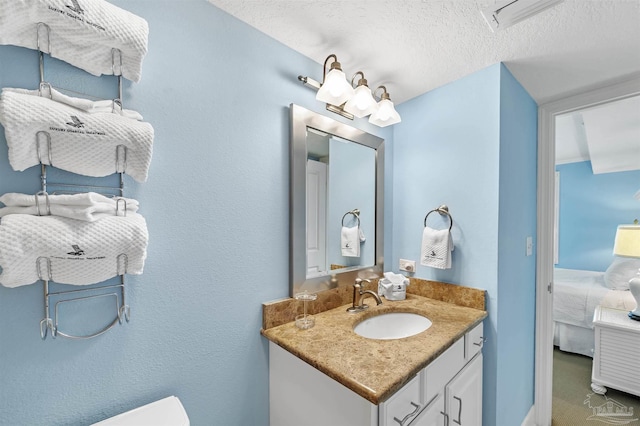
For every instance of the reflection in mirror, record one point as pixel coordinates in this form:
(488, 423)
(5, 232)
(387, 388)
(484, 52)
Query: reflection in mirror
(336, 202)
(341, 196)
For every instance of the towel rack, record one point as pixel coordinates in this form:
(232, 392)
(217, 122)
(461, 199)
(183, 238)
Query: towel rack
(443, 210)
(116, 63)
(121, 150)
(354, 212)
(120, 166)
(116, 292)
(50, 325)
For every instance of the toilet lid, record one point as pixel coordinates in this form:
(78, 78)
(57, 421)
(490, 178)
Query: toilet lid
(165, 412)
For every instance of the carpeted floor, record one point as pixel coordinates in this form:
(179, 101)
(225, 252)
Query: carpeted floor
(574, 403)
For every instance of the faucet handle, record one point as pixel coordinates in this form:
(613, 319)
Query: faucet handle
(360, 280)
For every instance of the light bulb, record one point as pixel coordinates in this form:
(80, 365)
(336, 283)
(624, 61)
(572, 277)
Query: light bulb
(335, 90)
(362, 102)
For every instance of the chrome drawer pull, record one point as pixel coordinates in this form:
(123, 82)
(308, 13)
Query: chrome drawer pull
(459, 411)
(408, 416)
(481, 342)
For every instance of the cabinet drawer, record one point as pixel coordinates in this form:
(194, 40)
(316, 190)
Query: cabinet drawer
(433, 414)
(404, 405)
(437, 374)
(474, 340)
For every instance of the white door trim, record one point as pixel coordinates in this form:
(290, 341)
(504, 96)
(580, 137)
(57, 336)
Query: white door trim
(546, 199)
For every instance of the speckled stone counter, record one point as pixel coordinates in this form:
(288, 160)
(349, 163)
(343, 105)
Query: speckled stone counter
(375, 369)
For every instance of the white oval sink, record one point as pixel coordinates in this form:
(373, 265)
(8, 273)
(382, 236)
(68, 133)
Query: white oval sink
(393, 325)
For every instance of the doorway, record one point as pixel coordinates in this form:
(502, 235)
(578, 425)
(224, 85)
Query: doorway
(547, 115)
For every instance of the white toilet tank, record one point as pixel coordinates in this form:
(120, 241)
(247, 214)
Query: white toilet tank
(165, 412)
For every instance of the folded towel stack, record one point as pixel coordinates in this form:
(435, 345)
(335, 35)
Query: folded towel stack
(80, 252)
(436, 248)
(87, 207)
(350, 241)
(82, 33)
(84, 137)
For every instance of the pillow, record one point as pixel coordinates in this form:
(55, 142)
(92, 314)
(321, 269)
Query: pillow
(621, 270)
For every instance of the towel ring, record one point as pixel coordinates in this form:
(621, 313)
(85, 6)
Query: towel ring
(443, 210)
(354, 212)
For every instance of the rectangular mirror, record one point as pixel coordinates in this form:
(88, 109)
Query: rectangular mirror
(336, 203)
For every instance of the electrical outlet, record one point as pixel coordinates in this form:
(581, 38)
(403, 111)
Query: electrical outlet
(529, 246)
(407, 265)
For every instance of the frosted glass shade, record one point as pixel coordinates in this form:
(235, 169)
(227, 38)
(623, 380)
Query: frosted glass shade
(361, 103)
(627, 241)
(335, 90)
(385, 115)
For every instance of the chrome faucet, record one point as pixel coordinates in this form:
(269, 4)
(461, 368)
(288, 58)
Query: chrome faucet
(359, 295)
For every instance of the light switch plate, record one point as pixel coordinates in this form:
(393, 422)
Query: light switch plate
(407, 265)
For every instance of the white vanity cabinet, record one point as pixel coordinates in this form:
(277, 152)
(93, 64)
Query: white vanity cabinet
(450, 386)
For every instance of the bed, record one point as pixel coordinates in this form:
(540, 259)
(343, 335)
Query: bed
(577, 293)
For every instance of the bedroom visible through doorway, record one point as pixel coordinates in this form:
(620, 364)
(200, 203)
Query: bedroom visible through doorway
(597, 188)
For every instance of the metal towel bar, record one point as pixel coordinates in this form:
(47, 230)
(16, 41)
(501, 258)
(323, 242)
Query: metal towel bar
(50, 325)
(354, 212)
(443, 210)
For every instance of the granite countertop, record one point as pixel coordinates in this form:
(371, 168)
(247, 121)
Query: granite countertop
(375, 369)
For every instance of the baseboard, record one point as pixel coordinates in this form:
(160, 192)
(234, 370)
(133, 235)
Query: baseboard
(530, 419)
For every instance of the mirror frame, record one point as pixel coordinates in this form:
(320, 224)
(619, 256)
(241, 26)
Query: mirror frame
(300, 120)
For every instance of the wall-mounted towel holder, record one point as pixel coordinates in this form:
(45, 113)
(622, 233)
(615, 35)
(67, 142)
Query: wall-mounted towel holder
(444, 211)
(50, 325)
(355, 213)
(120, 166)
(121, 150)
(116, 62)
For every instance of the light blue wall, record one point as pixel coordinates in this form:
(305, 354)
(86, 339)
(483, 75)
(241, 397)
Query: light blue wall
(516, 271)
(217, 93)
(591, 208)
(459, 145)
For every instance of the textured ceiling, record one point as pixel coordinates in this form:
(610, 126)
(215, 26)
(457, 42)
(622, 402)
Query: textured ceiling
(413, 46)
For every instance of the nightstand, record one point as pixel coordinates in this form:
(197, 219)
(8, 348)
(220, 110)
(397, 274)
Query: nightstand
(616, 358)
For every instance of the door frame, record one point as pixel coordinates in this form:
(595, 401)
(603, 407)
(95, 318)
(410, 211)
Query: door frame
(545, 211)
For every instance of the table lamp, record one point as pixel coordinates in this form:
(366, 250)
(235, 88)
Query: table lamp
(628, 245)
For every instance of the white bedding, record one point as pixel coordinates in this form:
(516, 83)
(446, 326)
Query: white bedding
(576, 294)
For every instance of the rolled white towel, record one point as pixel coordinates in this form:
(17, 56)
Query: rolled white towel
(82, 141)
(89, 206)
(80, 252)
(82, 33)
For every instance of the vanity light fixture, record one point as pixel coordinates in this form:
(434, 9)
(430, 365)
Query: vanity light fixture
(362, 102)
(385, 114)
(341, 98)
(335, 89)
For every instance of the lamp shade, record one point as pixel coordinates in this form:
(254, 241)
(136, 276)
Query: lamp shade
(361, 103)
(335, 90)
(385, 115)
(627, 241)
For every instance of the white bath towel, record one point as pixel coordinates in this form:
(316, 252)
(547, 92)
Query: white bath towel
(436, 248)
(82, 141)
(80, 252)
(88, 207)
(350, 241)
(81, 32)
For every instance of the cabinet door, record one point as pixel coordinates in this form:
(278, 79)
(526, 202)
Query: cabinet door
(433, 414)
(464, 395)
